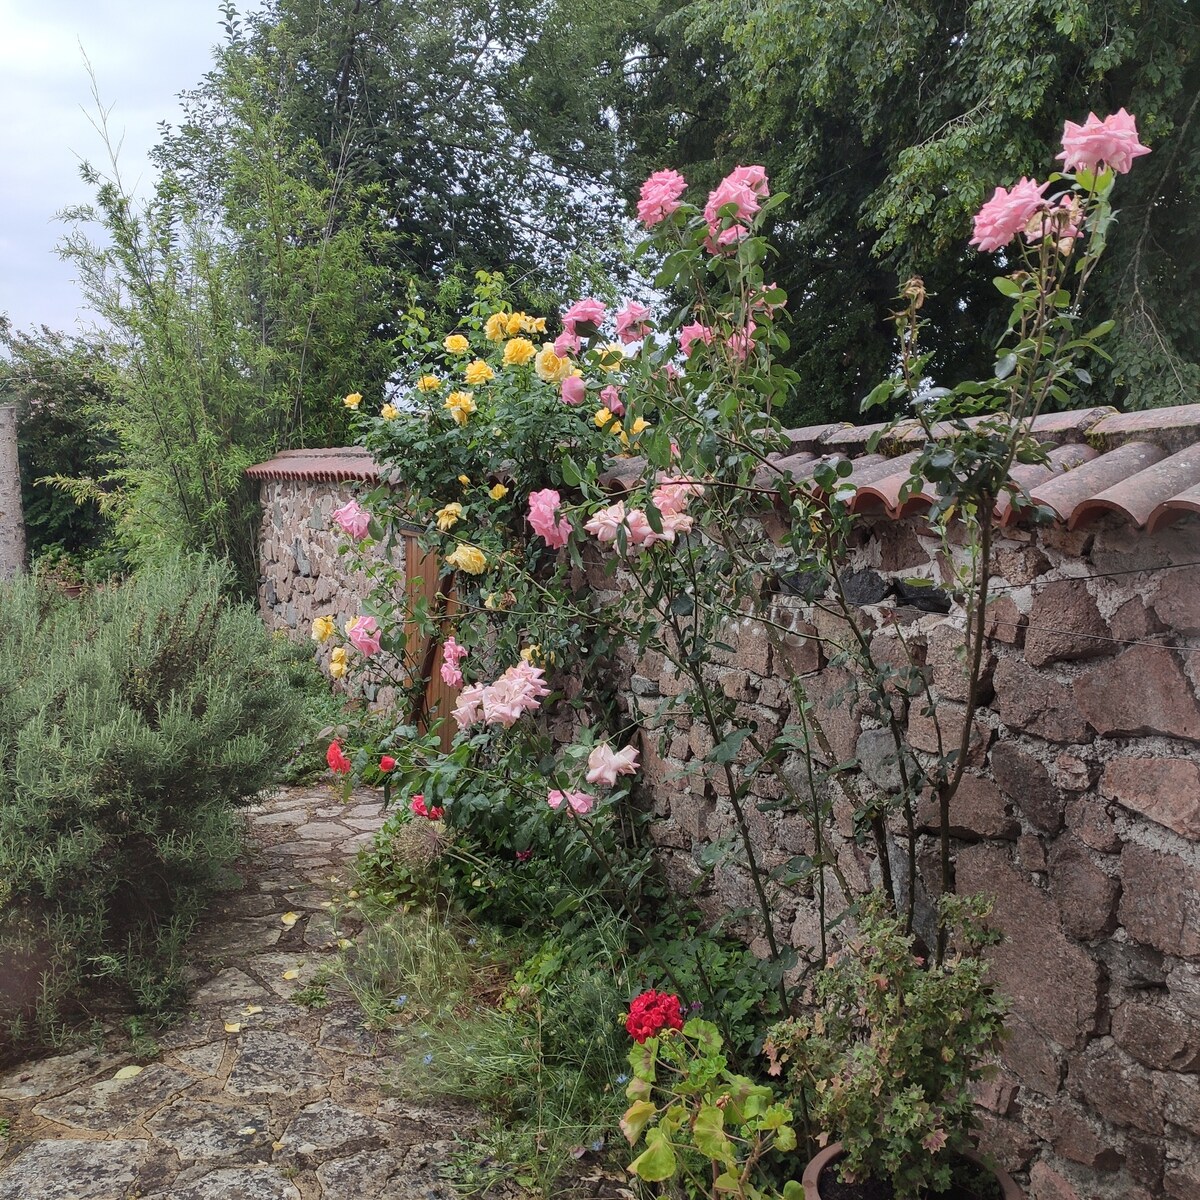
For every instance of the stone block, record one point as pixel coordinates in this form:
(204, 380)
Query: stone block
(1092, 823)
(1160, 900)
(1142, 691)
(880, 762)
(1005, 622)
(836, 709)
(1064, 623)
(1026, 782)
(1079, 1140)
(977, 810)
(1157, 1035)
(1177, 600)
(1133, 621)
(1116, 1087)
(1167, 790)
(1031, 1058)
(1181, 1181)
(949, 664)
(1051, 983)
(1045, 1183)
(1032, 701)
(1019, 565)
(1086, 894)
(799, 652)
(1008, 1141)
(923, 730)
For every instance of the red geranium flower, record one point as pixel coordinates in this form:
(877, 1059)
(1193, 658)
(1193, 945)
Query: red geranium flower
(652, 1012)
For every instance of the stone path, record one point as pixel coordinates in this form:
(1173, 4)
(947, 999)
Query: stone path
(252, 1096)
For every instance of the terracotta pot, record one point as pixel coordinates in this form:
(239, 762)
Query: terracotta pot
(812, 1173)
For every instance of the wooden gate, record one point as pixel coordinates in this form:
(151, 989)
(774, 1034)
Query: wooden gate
(424, 654)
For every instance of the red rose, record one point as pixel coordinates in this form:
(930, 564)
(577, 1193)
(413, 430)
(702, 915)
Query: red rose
(651, 1012)
(336, 758)
(417, 805)
(387, 763)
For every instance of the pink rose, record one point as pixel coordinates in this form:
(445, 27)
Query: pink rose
(689, 335)
(519, 690)
(572, 390)
(638, 525)
(1113, 142)
(469, 708)
(755, 178)
(1006, 214)
(605, 764)
(740, 343)
(452, 655)
(580, 802)
(353, 519)
(759, 304)
(660, 197)
(674, 491)
(604, 524)
(567, 343)
(743, 187)
(387, 763)
(543, 517)
(364, 633)
(612, 400)
(632, 324)
(583, 312)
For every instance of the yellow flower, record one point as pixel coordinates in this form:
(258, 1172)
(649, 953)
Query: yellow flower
(612, 356)
(389, 412)
(457, 344)
(428, 383)
(496, 327)
(636, 428)
(602, 418)
(339, 662)
(460, 405)
(518, 352)
(448, 516)
(498, 491)
(531, 654)
(477, 372)
(322, 629)
(517, 322)
(468, 558)
(536, 325)
(353, 400)
(499, 600)
(465, 480)
(549, 367)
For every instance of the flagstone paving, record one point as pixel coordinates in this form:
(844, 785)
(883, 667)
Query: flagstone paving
(252, 1096)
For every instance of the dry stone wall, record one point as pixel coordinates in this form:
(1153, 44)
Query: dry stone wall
(1080, 815)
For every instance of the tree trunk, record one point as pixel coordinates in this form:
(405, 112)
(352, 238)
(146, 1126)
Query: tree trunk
(12, 518)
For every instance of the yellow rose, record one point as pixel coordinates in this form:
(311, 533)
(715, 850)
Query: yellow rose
(612, 357)
(536, 325)
(339, 662)
(496, 327)
(428, 383)
(498, 491)
(322, 629)
(477, 372)
(460, 405)
(389, 412)
(532, 654)
(549, 367)
(636, 428)
(468, 558)
(457, 344)
(448, 516)
(353, 400)
(602, 418)
(465, 480)
(517, 322)
(518, 352)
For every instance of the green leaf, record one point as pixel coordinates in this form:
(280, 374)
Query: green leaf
(729, 747)
(793, 1190)
(1006, 366)
(635, 1119)
(708, 1131)
(657, 1162)
(1007, 287)
(571, 474)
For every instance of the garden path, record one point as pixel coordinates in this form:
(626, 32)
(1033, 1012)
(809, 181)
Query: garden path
(253, 1096)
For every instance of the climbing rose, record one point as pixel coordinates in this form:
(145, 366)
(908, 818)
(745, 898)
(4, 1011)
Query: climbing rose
(322, 629)
(336, 758)
(674, 491)
(580, 802)
(572, 390)
(387, 763)
(543, 507)
(652, 1012)
(632, 325)
(548, 367)
(468, 558)
(583, 312)
(519, 690)
(1006, 214)
(353, 519)
(660, 197)
(364, 633)
(452, 655)
(689, 335)
(741, 343)
(744, 187)
(605, 764)
(567, 343)
(421, 809)
(612, 399)
(1113, 142)
(469, 708)
(455, 343)
(605, 523)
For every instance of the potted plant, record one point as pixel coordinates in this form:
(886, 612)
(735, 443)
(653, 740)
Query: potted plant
(882, 1068)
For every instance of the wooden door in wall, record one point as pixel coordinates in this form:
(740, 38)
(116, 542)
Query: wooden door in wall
(424, 656)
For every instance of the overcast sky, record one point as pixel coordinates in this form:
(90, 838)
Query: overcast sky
(143, 53)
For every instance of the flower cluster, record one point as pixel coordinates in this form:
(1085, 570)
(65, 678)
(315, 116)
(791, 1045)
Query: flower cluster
(651, 1013)
(544, 519)
(580, 802)
(452, 655)
(419, 808)
(670, 498)
(518, 691)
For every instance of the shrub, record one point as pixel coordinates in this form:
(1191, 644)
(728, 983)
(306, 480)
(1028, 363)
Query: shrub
(134, 722)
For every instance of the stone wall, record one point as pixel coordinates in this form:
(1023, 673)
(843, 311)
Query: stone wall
(1080, 815)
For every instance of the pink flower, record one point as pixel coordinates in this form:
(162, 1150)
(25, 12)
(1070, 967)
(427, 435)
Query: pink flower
(543, 517)
(365, 634)
(1006, 214)
(452, 655)
(604, 524)
(638, 524)
(612, 400)
(353, 519)
(583, 312)
(632, 325)
(605, 764)
(572, 390)
(660, 197)
(580, 802)
(1113, 142)
(567, 343)
(744, 187)
(755, 178)
(673, 493)
(759, 304)
(523, 855)
(387, 763)
(419, 808)
(689, 335)
(740, 343)
(469, 708)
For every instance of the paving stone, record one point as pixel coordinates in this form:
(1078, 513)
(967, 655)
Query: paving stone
(248, 904)
(270, 968)
(367, 824)
(112, 1104)
(236, 1183)
(366, 810)
(65, 1169)
(200, 1128)
(346, 1035)
(53, 1075)
(322, 931)
(322, 831)
(205, 1059)
(377, 1173)
(275, 1064)
(311, 897)
(235, 939)
(325, 1130)
(230, 984)
(194, 1031)
(297, 816)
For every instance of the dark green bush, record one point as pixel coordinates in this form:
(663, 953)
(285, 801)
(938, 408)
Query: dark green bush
(133, 723)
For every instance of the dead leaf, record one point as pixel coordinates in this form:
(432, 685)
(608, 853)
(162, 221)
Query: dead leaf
(127, 1072)
(289, 919)
(233, 1027)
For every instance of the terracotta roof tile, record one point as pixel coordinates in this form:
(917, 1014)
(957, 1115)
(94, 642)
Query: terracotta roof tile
(337, 465)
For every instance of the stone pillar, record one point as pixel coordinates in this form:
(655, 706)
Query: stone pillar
(12, 517)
